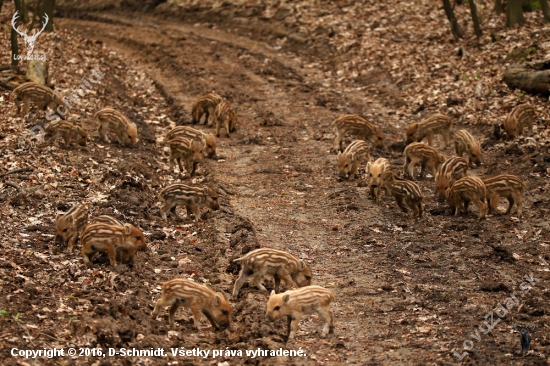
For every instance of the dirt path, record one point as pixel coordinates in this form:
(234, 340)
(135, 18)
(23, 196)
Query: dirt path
(281, 175)
(407, 291)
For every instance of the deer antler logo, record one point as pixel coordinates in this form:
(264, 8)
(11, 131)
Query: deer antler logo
(29, 40)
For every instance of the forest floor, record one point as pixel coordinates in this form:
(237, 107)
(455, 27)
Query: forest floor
(407, 291)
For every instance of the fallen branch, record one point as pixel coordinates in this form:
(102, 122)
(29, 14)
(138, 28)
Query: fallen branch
(17, 321)
(33, 189)
(55, 339)
(9, 78)
(14, 185)
(533, 79)
(6, 86)
(18, 170)
(18, 188)
(22, 177)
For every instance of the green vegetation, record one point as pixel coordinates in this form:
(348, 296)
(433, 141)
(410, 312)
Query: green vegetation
(522, 54)
(531, 5)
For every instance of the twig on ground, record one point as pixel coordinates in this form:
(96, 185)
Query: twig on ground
(26, 331)
(9, 78)
(18, 170)
(14, 185)
(6, 86)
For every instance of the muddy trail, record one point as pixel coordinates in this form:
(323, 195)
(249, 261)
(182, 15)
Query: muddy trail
(407, 291)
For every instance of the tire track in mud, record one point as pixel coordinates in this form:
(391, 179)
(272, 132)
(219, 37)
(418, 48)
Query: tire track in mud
(394, 279)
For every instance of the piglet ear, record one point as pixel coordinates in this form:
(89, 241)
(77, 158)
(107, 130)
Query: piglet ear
(286, 298)
(70, 219)
(217, 301)
(272, 293)
(301, 266)
(205, 191)
(128, 228)
(367, 167)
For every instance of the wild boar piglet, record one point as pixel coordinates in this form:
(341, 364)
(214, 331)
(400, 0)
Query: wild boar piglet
(199, 298)
(111, 119)
(294, 304)
(116, 241)
(452, 169)
(281, 265)
(70, 225)
(356, 153)
(189, 196)
(467, 144)
(507, 186)
(208, 139)
(358, 126)
(67, 131)
(466, 190)
(428, 128)
(425, 155)
(205, 106)
(374, 176)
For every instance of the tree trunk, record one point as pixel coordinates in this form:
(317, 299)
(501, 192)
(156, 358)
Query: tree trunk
(14, 50)
(24, 12)
(545, 12)
(36, 14)
(514, 13)
(475, 19)
(498, 7)
(37, 71)
(455, 28)
(48, 7)
(14, 44)
(531, 79)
